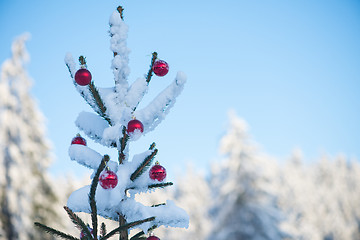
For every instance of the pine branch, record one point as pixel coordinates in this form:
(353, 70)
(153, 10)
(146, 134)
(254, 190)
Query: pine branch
(139, 235)
(55, 232)
(144, 165)
(99, 102)
(95, 93)
(126, 226)
(103, 229)
(160, 185)
(152, 146)
(123, 234)
(82, 61)
(158, 205)
(123, 142)
(79, 223)
(149, 75)
(93, 187)
(121, 11)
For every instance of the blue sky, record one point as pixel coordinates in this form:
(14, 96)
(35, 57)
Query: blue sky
(291, 69)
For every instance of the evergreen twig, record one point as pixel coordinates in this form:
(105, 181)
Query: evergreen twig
(103, 229)
(99, 102)
(126, 226)
(55, 232)
(121, 11)
(79, 223)
(82, 61)
(160, 185)
(123, 234)
(149, 75)
(152, 146)
(93, 187)
(139, 235)
(144, 165)
(123, 142)
(100, 109)
(136, 236)
(158, 205)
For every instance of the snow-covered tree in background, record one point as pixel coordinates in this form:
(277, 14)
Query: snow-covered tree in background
(244, 190)
(116, 122)
(25, 191)
(321, 200)
(193, 194)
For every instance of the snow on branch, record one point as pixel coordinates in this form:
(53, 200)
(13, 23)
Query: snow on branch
(156, 111)
(88, 157)
(85, 91)
(95, 127)
(120, 63)
(136, 92)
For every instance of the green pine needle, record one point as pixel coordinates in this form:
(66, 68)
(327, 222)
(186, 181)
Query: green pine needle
(79, 223)
(103, 229)
(160, 185)
(143, 166)
(55, 232)
(126, 226)
(93, 187)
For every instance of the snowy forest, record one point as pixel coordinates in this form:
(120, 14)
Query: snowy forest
(246, 195)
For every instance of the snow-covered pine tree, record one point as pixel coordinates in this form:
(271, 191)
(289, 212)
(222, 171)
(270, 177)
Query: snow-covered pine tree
(243, 190)
(117, 122)
(25, 192)
(321, 200)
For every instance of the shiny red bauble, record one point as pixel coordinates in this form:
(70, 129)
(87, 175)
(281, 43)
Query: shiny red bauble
(153, 238)
(160, 68)
(157, 172)
(78, 140)
(108, 179)
(83, 77)
(135, 125)
(83, 235)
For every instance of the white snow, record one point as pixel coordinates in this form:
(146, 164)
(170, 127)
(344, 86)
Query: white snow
(92, 125)
(88, 157)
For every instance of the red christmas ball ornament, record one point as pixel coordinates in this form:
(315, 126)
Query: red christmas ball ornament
(78, 140)
(160, 68)
(135, 125)
(153, 238)
(83, 234)
(83, 77)
(108, 179)
(157, 172)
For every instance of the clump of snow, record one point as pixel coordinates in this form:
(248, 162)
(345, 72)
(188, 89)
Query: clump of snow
(156, 111)
(92, 125)
(136, 92)
(69, 61)
(88, 157)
